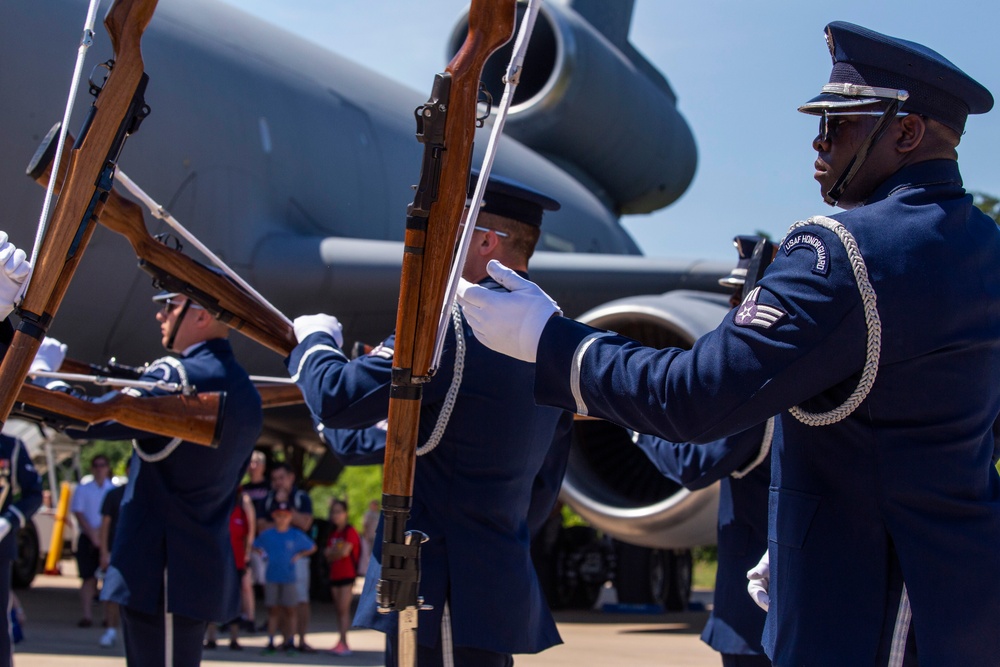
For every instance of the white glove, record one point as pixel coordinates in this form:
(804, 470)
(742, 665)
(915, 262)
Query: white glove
(310, 324)
(50, 355)
(760, 581)
(14, 270)
(508, 322)
(4, 528)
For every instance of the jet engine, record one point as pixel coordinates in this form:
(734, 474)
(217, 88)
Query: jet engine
(592, 104)
(612, 484)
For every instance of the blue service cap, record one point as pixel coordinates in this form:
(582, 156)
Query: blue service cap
(869, 67)
(510, 199)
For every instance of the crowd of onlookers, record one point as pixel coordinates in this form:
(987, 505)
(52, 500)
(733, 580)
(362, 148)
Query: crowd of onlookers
(276, 543)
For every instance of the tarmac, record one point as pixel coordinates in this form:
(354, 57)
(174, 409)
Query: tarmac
(592, 638)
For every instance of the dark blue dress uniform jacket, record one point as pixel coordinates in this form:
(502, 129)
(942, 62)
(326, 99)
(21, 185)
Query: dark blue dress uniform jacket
(471, 494)
(175, 512)
(24, 492)
(737, 623)
(905, 486)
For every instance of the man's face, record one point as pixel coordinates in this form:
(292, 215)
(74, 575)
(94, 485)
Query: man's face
(100, 469)
(282, 480)
(168, 315)
(845, 134)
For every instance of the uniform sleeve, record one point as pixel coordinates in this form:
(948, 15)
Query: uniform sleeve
(698, 466)
(30, 485)
(803, 334)
(166, 369)
(352, 394)
(356, 447)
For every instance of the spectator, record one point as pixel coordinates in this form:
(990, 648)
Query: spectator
(241, 534)
(86, 507)
(283, 489)
(343, 552)
(283, 545)
(110, 508)
(369, 525)
(257, 490)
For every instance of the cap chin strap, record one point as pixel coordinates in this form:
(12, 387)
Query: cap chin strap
(837, 191)
(177, 326)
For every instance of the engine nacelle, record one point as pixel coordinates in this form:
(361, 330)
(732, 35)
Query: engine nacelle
(611, 483)
(597, 109)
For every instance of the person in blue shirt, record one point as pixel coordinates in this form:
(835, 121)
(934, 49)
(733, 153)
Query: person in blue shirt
(875, 335)
(282, 545)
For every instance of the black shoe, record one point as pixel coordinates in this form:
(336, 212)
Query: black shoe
(210, 643)
(306, 648)
(288, 648)
(234, 645)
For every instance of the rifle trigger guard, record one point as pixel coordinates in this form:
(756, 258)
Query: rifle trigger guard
(96, 88)
(486, 99)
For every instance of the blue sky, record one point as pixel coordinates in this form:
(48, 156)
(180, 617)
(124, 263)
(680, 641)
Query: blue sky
(739, 69)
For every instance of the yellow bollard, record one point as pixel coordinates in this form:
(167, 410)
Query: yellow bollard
(56, 543)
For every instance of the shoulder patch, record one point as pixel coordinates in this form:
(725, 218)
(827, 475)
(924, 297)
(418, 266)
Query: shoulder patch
(753, 314)
(821, 266)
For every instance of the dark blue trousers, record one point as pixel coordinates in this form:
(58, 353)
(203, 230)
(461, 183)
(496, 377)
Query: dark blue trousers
(734, 660)
(145, 639)
(6, 642)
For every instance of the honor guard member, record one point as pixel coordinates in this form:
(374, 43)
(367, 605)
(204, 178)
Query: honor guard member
(20, 485)
(482, 441)
(875, 334)
(741, 463)
(172, 567)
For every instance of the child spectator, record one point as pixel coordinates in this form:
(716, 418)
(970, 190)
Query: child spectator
(283, 545)
(343, 552)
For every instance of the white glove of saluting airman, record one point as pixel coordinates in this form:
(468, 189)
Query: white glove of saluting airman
(760, 582)
(50, 355)
(507, 322)
(14, 270)
(310, 324)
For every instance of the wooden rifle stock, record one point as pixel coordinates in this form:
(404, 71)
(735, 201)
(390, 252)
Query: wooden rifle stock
(279, 395)
(115, 114)
(194, 418)
(174, 270)
(446, 126)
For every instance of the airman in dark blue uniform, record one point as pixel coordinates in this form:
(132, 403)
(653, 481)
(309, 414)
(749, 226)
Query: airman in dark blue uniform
(741, 463)
(20, 485)
(20, 498)
(172, 568)
(876, 336)
(472, 489)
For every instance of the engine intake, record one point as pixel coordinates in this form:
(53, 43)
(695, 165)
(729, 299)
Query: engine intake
(612, 484)
(597, 109)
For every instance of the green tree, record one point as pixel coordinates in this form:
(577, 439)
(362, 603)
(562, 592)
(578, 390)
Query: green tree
(988, 204)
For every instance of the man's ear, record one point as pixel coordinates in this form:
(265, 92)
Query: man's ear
(912, 133)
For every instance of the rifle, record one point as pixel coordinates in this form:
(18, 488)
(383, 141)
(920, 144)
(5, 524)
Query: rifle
(115, 114)
(225, 300)
(446, 126)
(276, 392)
(194, 418)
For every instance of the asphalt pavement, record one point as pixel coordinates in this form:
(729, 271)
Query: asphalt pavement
(592, 638)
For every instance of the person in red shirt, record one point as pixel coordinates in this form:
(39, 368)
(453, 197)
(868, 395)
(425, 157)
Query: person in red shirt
(342, 552)
(241, 535)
